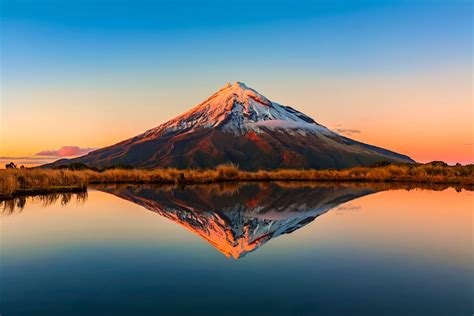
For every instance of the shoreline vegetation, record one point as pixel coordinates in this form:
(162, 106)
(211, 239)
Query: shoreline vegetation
(227, 189)
(37, 181)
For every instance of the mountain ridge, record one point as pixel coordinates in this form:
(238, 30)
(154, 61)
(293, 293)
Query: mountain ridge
(239, 125)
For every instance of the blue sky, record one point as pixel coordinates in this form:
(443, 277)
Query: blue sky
(74, 38)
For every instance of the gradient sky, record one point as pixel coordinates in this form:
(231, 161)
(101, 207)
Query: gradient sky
(397, 74)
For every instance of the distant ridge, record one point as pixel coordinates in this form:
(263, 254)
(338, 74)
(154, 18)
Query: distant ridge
(239, 125)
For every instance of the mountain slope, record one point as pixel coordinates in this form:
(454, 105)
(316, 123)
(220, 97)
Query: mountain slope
(239, 125)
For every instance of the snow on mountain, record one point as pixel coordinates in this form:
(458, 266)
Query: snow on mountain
(236, 108)
(289, 126)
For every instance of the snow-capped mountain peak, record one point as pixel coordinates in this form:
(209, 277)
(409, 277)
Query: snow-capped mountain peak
(236, 108)
(239, 125)
(242, 94)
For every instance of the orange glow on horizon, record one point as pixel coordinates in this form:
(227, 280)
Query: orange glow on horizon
(427, 116)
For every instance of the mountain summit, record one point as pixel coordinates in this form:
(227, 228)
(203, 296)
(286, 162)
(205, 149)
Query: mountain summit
(237, 124)
(237, 108)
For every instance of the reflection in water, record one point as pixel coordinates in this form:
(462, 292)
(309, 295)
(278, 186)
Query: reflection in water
(238, 219)
(235, 218)
(17, 204)
(111, 256)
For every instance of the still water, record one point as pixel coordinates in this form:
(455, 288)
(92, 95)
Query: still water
(273, 249)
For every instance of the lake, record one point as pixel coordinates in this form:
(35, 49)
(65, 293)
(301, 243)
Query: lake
(248, 249)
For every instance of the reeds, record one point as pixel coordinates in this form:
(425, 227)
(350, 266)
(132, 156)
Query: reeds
(18, 181)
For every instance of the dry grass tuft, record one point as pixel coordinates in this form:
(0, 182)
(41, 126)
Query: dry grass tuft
(21, 181)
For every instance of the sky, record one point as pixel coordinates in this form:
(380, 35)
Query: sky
(78, 75)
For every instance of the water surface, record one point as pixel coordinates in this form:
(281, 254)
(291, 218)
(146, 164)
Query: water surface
(254, 249)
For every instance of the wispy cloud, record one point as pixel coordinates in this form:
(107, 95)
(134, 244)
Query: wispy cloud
(349, 207)
(24, 158)
(65, 151)
(341, 210)
(27, 161)
(348, 131)
(46, 156)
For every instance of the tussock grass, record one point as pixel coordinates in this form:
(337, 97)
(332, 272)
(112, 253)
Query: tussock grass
(17, 181)
(14, 180)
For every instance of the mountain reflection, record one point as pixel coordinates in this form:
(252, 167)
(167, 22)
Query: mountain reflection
(237, 219)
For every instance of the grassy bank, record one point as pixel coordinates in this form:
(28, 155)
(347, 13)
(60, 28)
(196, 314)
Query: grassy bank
(14, 182)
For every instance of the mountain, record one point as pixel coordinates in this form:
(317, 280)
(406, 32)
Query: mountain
(237, 124)
(242, 219)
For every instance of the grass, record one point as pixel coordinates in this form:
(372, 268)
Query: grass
(222, 189)
(15, 182)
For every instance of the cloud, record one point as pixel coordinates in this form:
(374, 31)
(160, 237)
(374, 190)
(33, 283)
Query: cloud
(341, 210)
(348, 131)
(349, 207)
(24, 158)
(26, 161)
(65, 151)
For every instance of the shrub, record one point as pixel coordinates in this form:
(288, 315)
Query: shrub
(380, 163)
(10, 165)
(438, 163)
